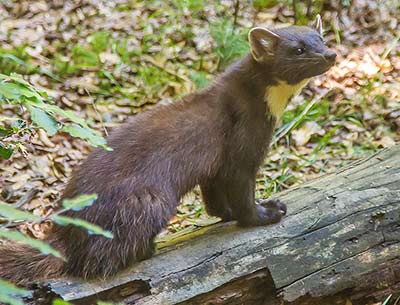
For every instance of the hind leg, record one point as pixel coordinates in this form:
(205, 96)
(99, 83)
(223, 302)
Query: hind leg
(216, 200)
(148, 252)
(134, 222)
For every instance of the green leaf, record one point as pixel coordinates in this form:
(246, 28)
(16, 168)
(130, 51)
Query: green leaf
(86, 134)
(10, 289)
(20, 87)
(84, 57)
(37, 244)
(79, 202)
(42, 119)
(5, 131)
(12, 213)
(29, 93)
(10, 91)
(91, 228)
(99, 42)
(19, 79)
(60, 302)
(70, 115)
(13, 58)
(5, 151)
(6, 299)
(387, 300)
(230, 42)
(6, 118)
(199, 78)
(53, 109)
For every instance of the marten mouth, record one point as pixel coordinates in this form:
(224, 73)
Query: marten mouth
(322, 65)
(325, 64)
(329, 65)
(329, 62)
(316, 67)
(319, 69)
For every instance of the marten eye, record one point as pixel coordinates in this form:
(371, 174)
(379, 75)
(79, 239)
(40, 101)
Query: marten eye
(300, 51)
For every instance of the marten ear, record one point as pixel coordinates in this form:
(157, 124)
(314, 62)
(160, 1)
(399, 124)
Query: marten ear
(262, 43)
(318, 25)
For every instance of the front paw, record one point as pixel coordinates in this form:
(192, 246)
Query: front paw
(226, 214)
(270, 211)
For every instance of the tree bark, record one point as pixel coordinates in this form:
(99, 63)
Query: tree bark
(339, 244)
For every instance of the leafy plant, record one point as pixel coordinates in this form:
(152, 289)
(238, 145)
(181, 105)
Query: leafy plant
(259, 4)
(15, 60)
(199, 78)
(81, 59)
(18, 60)
(189, 5)
(9, 293)
(43, 114)
(83, 56)
(230, 42)
(12, 214)
(99, 41)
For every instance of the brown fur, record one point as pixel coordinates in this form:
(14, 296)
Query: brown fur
(216, 138)
(21, 264)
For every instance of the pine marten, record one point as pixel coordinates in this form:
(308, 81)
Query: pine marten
(216, 138)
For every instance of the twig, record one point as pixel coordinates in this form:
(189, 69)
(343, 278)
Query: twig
(294, 5)
(235, 14)
(255, 15)
(26, 198)
(150, 60)
(309, 4)
(97, 113)
(316, 99)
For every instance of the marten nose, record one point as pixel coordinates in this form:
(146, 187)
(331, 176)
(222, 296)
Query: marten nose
(330, 55)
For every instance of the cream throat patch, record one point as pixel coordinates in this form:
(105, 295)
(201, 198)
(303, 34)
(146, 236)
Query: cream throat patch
(277, 96)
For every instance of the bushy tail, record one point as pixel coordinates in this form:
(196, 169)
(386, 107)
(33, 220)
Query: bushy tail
(24, 265)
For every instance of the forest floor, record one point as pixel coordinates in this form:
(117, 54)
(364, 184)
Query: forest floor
(107, 60)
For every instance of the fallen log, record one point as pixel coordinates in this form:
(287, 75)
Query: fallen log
(339, 244)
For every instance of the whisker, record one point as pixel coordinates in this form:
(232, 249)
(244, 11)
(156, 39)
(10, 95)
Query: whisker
(303, 59)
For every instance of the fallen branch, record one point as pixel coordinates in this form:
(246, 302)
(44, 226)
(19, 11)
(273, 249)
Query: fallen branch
(339, 241)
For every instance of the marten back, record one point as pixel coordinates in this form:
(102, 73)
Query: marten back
(216, 138)
(157, 157)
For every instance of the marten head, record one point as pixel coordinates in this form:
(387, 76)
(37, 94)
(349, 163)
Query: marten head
(294, 53)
